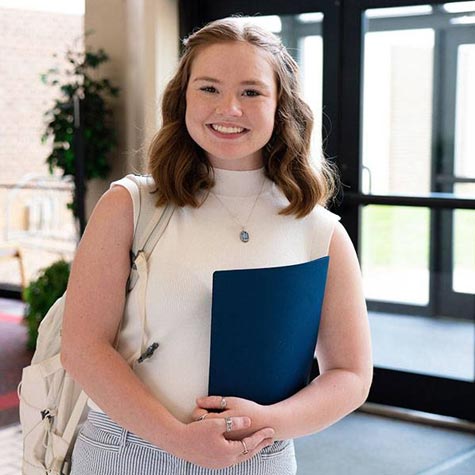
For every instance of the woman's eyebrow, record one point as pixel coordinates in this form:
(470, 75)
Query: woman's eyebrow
(250, 82)
(254, 82)
(207, 79)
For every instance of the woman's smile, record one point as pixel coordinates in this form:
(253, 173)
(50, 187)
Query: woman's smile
(227, 132)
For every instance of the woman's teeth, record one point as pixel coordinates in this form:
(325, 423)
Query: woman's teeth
(227, 130)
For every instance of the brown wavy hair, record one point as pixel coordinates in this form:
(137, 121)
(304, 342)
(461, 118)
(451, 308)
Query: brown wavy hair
(180, 167)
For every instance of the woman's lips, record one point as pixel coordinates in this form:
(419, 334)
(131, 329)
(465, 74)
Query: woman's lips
(227, 132)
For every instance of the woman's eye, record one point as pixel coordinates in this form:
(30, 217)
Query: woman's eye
(251, 93)
(210, 89)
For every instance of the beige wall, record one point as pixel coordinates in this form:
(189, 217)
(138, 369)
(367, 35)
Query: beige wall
(28, 40)
(141, 37)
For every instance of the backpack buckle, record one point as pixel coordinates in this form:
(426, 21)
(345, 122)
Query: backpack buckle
(46, 414)
(148, 352)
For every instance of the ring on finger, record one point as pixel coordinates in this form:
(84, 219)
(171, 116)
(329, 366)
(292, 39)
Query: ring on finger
(223, 404)
(203, 417)
(229, 424)
(244, 446)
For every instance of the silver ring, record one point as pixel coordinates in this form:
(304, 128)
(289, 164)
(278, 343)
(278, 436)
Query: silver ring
(203, 417)
(245, 451)
(229, 424)
(223, 404)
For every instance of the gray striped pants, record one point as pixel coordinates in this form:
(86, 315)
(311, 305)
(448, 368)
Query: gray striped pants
(105, 448)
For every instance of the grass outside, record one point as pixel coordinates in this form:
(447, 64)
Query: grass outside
(398, 237)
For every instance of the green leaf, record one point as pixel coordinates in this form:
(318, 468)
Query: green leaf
(99, 133)
(40, 295)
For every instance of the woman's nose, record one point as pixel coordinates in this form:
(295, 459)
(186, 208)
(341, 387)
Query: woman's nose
(229, 105)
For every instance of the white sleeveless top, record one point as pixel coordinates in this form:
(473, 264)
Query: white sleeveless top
(197, 242)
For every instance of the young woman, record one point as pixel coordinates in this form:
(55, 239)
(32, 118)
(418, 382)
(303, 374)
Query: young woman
(233, 156)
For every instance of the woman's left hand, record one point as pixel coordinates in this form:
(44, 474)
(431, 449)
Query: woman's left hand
(235, 406)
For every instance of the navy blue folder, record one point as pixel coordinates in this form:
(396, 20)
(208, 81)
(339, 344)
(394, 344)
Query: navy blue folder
(264, 330)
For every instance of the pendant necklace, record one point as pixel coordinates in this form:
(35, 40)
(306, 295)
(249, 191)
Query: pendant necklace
(244, 234)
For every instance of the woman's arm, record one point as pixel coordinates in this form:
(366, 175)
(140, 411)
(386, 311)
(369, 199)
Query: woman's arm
(94, 305)
(343, 352)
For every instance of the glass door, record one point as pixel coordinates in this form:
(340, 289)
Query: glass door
(413, 199)
(456, 174)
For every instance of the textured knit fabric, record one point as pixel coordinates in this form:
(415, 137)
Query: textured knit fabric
(105, 448)
(197, 242)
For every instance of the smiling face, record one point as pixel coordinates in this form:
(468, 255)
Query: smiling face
(231, 100)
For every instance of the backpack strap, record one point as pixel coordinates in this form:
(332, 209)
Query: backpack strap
(146, 243)
(150, 221)
(149, 225)
(73, 421)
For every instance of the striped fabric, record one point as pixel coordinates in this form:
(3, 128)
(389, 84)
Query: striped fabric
(105, 448)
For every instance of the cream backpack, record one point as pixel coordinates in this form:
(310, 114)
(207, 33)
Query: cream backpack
(52, 404)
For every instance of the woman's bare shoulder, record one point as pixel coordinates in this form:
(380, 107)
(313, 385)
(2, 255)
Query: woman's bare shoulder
(102, 257)
(112, 218)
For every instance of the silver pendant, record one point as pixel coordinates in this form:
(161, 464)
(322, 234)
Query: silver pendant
(244, 236)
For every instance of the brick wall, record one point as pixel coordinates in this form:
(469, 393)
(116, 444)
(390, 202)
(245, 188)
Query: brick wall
(28, 40)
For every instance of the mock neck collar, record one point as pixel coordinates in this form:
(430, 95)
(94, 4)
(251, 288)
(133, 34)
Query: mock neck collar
(239, 183)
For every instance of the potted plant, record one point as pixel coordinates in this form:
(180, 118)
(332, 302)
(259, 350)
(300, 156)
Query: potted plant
(41, 294)
(78, 80)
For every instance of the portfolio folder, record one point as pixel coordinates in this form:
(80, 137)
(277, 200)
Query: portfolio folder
(264, 330)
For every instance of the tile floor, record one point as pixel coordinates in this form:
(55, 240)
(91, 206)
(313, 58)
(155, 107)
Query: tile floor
(10, 450)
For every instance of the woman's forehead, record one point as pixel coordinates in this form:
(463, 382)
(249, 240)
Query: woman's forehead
(233, 60)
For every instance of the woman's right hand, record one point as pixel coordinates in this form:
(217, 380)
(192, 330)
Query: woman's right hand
(203, 442)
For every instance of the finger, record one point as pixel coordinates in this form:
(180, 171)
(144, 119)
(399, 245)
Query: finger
(198, 414)
(265, 443)
(239, 446)
(213, 415)
(238, 423)
(256, 439)
(253, 442)
(210, 402)
(202, 416)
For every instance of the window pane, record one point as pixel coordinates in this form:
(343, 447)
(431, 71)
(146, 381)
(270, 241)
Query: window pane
(269, 22)
(399, 11)
(310, 17)
(311, 62)
(395, 253)
(459, 7)
(463, 277)
(465, 113)
(397, 111)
